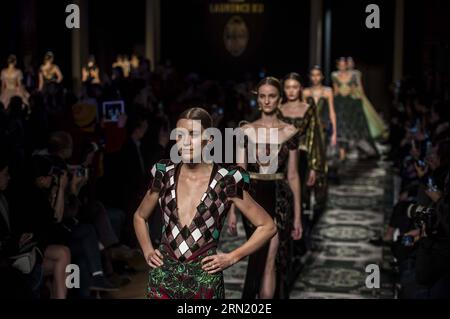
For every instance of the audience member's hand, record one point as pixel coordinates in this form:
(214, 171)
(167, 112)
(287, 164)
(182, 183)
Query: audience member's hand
(421, 171)
(403, 196)
(415, 233)
(122, 120)
(435, 196)
(25, 238)
(63, 180)
(77, 183)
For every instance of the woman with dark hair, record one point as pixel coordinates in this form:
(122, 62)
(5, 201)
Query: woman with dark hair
(195, 197)
(312, 164)
(352, 129)
(11, 78)
(50, 78)
(276, 187)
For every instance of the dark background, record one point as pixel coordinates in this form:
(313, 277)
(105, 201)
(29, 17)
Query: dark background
(192, 38)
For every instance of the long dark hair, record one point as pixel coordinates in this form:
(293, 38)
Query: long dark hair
(296, 77)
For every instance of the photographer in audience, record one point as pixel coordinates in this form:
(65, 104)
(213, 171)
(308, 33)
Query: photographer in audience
(15, 284)
(81, 236)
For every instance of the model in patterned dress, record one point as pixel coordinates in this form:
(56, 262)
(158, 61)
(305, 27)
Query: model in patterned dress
(195, 200)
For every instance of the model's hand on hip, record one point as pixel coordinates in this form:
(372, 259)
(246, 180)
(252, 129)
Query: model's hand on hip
(216, 263)
(155, 259)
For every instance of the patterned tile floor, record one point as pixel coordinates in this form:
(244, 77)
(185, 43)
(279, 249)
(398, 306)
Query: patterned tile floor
(335, 268)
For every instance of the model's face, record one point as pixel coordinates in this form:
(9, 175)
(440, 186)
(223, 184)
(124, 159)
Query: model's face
(190, 144)
(4, 179)
(268, 98)
(316, 77)
(134, 61)
(351, 64)
(342, 66)
(292, 89)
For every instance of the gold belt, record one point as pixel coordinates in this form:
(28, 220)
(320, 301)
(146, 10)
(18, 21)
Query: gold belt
(267, 177)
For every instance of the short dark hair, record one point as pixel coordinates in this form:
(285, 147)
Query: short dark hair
(49, 56)
(59, 141)
(12, 59)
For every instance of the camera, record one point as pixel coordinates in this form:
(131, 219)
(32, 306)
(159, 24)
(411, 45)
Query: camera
(422, 215)
(79, 171)
(56, 171)
(421, 163)
(82, 172)
(407, 241)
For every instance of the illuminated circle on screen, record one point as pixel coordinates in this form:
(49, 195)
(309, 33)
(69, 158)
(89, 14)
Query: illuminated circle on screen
(235, 36)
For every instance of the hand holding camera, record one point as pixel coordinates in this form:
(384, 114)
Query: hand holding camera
(80, 177)
(421, 168)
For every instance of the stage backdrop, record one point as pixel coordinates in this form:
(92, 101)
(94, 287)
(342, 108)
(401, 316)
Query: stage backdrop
(226, 38)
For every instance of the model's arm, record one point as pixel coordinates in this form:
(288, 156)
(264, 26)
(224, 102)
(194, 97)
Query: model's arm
(142, 214)
(265, 230)
(59, 76)
(19, 81)
(3, 83)
(306, 94)
(332, 114)
(294, 184)
(84, 75)
(359, 81)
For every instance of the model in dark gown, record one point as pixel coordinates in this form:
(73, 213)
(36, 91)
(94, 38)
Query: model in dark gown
(183, 248)
(273, 193)
(311, 157)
